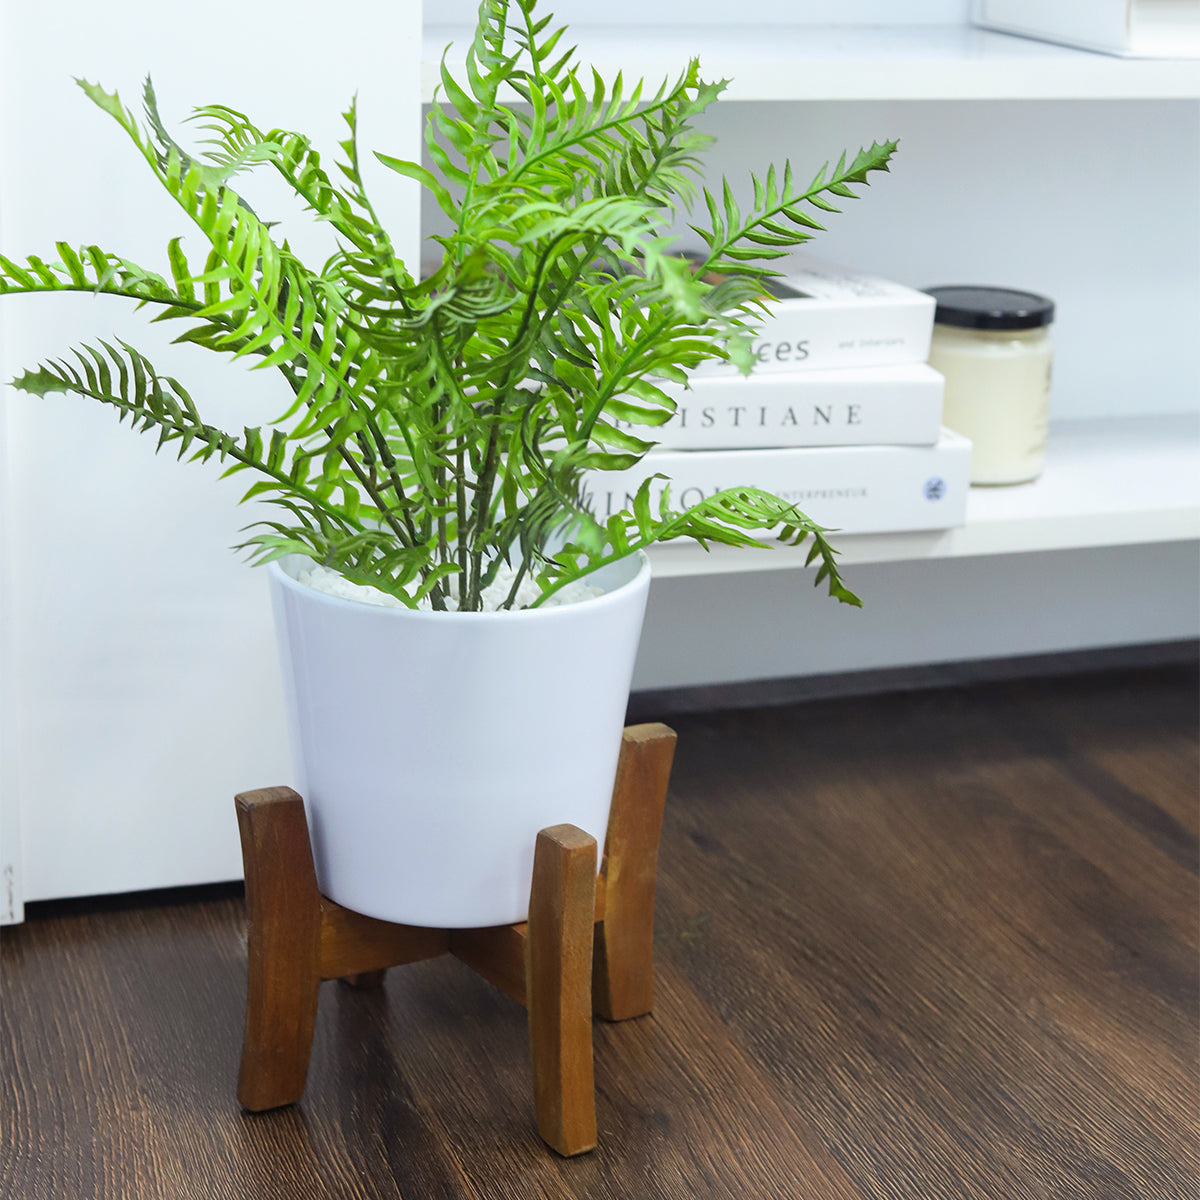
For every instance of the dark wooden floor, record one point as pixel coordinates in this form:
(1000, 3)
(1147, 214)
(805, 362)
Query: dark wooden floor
(918, 946)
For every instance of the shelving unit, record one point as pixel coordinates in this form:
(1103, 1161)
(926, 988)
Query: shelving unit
(1101, 550)
(872, 62)
(1121, 482)
(1107, 483)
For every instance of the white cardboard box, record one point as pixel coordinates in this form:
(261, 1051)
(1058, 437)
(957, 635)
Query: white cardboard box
(855, 489)
(837, 318)
(899, 405)
(1133, 28)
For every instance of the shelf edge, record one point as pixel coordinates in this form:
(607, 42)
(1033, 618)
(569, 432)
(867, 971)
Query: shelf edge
(983, 540)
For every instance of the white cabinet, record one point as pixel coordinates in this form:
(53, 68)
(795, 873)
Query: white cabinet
(138, 676)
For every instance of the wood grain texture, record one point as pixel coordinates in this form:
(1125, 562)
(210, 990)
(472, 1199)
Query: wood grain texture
(283, 951)
(352, 944)
(497, 953)
(939, 945)
(623, 968)
(558, 987)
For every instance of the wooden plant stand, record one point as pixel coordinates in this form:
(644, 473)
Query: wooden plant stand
(587, 946)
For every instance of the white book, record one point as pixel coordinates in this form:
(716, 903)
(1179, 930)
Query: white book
(1132, 28)
(855, 489)
(826, 316)
(852, 407)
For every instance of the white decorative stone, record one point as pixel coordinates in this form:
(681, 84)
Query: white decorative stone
(322, 579)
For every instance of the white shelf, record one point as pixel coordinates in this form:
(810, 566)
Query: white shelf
(1113, 482)
(903, 62)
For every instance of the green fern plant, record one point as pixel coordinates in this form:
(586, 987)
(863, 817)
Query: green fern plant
(441, 427)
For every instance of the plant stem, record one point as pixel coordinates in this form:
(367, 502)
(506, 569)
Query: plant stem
(380, 442)
(439, 475)
(522, 571)
(483, 495)
(460, 482)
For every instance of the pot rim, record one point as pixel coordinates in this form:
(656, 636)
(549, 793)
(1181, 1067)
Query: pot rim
(640, 579)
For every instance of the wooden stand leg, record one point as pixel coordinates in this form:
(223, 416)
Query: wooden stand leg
(623, 972)
(283, 948)
(558, 987)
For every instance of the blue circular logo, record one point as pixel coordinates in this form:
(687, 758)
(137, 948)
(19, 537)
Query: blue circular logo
(935, 488)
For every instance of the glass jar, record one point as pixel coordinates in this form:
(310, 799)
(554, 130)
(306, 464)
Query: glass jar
(993, 346)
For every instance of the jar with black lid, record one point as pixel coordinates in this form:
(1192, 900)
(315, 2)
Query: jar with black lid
(993, 346)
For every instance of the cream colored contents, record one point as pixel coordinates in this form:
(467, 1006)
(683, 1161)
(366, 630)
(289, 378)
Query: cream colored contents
(998, 395)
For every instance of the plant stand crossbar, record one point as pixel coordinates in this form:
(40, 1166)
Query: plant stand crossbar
(587, 946)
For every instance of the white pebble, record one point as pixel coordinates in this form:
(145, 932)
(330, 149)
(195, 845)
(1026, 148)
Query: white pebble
(322, 579)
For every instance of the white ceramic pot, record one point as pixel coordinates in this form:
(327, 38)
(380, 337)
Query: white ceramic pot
(431, 747)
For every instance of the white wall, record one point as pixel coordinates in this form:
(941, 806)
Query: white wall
(142, 686)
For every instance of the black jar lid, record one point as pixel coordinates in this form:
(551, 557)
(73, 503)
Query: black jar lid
(973, 307)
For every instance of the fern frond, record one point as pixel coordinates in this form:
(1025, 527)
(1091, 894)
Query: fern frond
(778, 218)
(728, 517)
(86, 269)
(125, 380)
(439, 427)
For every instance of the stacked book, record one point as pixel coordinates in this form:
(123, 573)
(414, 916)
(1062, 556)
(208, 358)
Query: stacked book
(840, 416)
